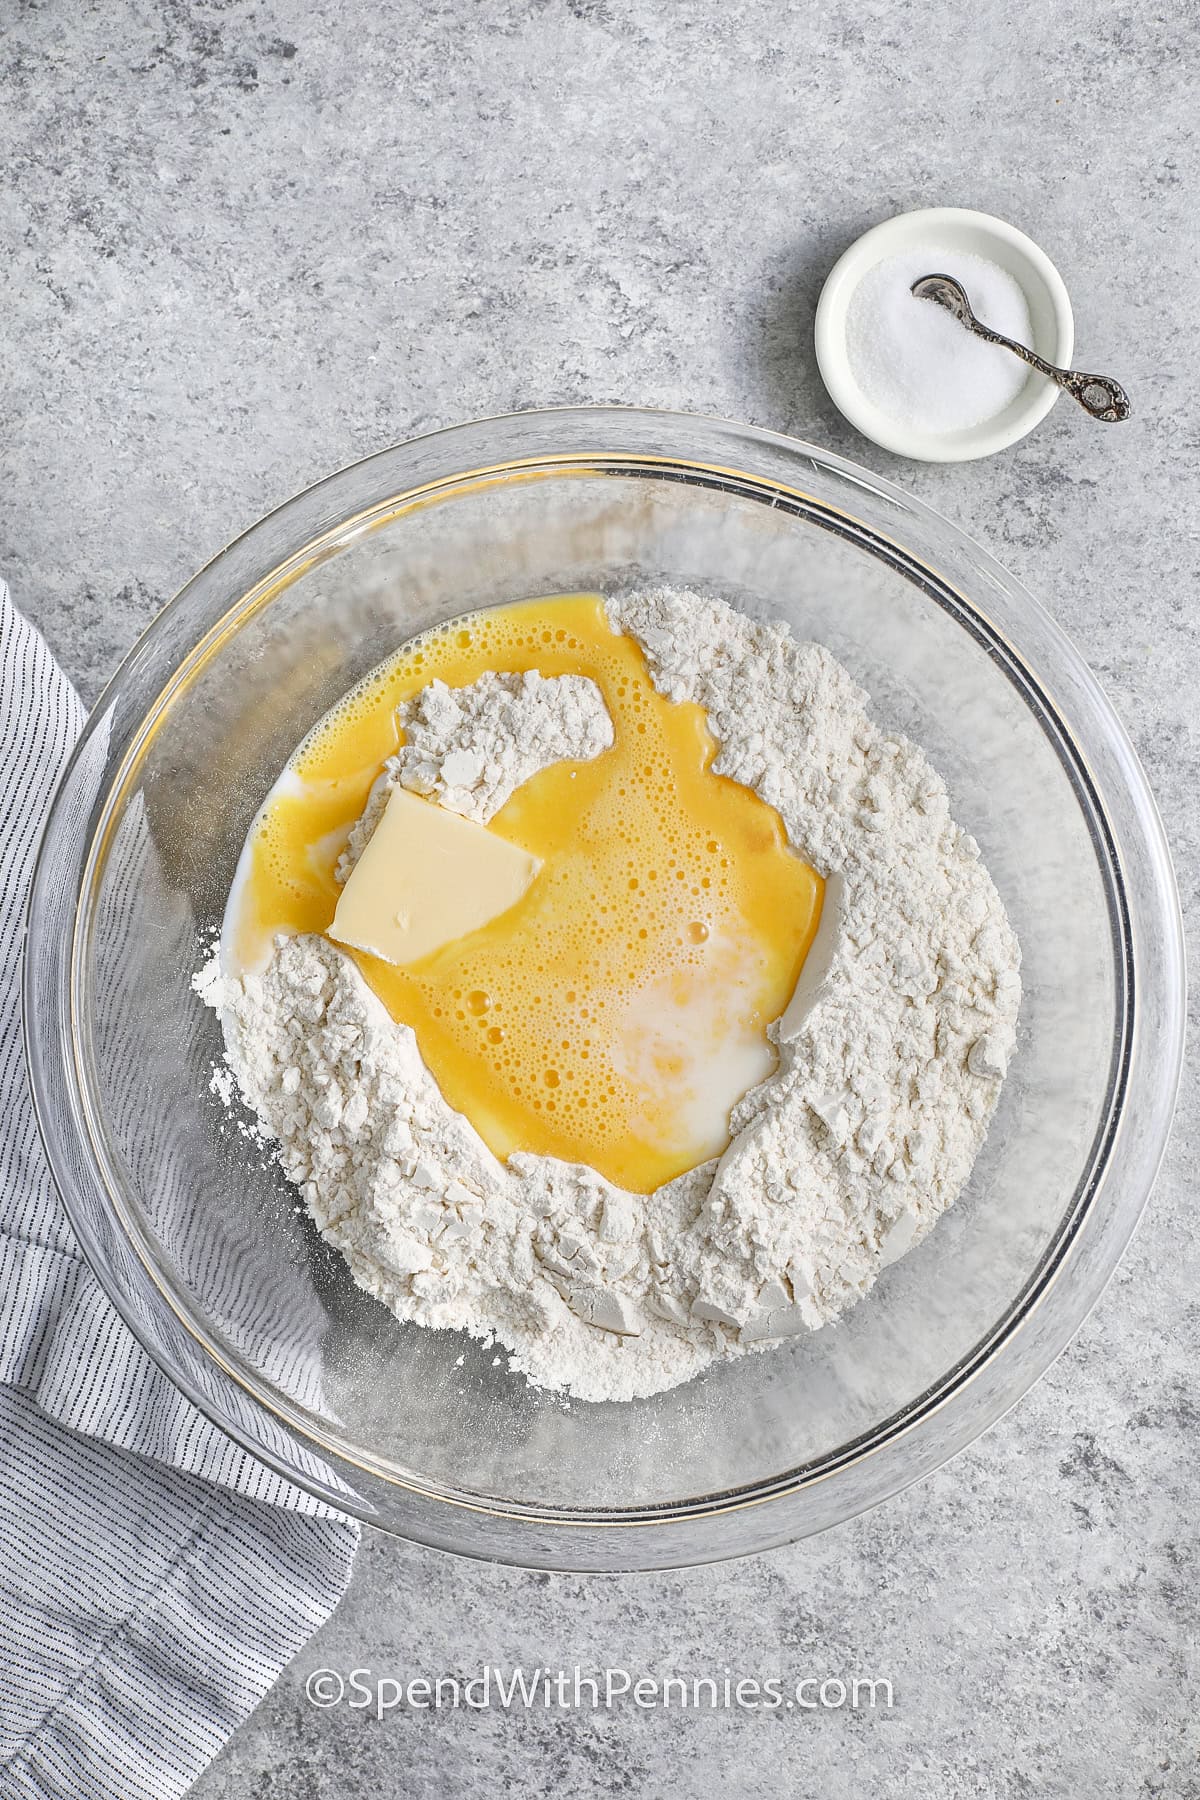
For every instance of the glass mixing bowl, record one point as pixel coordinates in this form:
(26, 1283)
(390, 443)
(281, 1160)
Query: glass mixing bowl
(199, 1241)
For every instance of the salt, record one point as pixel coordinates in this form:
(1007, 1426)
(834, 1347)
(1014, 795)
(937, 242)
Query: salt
(914, 361)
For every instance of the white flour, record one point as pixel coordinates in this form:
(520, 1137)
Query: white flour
(839, 1163)
(473, 747)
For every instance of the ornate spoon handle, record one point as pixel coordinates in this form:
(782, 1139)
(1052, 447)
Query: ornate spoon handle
(1099, 395)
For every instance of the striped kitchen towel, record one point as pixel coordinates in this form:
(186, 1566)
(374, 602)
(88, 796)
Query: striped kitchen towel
(155, 1577)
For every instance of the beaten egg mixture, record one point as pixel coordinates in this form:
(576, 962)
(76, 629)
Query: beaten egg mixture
(618, 1009)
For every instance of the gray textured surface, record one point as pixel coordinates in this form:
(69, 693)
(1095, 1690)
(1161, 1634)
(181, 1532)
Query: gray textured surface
(248, 242)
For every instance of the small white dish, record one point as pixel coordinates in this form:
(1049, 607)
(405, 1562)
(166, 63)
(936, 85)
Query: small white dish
(975, 234)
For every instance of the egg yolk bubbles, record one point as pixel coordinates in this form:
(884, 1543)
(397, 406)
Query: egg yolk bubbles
(616, 1013)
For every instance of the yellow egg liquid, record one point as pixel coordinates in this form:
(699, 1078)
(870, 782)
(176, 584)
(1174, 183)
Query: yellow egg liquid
(616, 1013)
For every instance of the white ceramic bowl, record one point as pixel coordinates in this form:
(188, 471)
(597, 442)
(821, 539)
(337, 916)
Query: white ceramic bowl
(970, 233)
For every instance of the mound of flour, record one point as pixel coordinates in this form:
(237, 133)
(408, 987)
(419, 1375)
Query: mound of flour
(838, 1164)
(471, 748)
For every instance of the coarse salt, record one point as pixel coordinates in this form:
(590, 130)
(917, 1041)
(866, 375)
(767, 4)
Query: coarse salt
(915, 361)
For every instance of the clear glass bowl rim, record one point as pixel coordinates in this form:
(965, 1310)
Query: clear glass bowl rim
(1089, 1246)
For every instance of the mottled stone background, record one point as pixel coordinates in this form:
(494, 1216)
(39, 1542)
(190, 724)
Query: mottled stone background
(246, 242)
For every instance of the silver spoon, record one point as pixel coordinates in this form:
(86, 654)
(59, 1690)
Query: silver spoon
(1098, 395)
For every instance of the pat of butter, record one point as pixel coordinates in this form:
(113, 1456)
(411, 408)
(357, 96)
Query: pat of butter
(427, 877)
